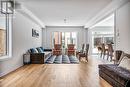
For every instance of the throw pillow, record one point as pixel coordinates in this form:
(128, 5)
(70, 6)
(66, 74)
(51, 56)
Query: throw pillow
(33, 50)
(36, 51)
(40, 50)
(125, 63)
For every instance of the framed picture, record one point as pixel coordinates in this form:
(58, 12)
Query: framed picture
(35, 33)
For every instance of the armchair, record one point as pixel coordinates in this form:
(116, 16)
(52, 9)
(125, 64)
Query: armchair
(81, 51)
(85, 54)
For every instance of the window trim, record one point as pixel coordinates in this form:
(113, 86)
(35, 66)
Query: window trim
(9, 27)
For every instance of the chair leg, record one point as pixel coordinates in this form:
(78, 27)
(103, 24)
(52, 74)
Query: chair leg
(111, 58)
(104, 54)
(87, 58)
(107, 55)
(101, 54)
(111, 55)
(79, 58)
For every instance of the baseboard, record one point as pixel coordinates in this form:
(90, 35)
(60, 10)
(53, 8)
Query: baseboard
(8, 72)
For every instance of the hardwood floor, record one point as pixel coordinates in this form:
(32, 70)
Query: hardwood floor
(56, 75)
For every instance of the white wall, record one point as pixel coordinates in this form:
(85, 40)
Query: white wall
(123, 28)
(22, 41)
(80, 30)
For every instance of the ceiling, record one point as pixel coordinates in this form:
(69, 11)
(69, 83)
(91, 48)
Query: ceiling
(65, 12)
(109, 21)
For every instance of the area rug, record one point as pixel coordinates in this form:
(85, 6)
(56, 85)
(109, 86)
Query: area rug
(62, 59)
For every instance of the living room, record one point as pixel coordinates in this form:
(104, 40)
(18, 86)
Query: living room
(68, 19)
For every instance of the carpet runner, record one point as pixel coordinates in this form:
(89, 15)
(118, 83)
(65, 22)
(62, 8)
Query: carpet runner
(62, 59)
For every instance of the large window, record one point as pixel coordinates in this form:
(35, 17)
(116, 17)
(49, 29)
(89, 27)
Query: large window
(5, 35)
(6, 15)
(3, 40)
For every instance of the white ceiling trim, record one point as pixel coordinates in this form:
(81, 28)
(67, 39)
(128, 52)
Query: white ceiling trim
(23, 10)
(111, 8)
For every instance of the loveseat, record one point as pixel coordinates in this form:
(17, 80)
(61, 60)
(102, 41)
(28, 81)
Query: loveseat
(118, 75)
(39, 55)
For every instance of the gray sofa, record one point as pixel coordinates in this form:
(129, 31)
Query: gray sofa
(115, 75)
(39, 55)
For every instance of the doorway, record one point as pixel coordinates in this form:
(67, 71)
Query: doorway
(64, 38)
(103, 32)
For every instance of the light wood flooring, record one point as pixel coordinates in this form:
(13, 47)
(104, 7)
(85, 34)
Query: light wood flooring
(56, 75)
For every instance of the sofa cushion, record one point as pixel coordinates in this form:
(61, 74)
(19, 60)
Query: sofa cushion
(47, 50)
(119, 74)
(34, 50)
(40, 50)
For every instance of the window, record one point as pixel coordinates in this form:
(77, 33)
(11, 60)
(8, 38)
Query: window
(5, 35)
(6, 15)
(3, 42)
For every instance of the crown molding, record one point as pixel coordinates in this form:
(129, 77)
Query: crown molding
(65, 26)
(26, 12)
(108, 10)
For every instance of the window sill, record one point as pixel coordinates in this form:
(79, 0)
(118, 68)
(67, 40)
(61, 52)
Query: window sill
(3, 58)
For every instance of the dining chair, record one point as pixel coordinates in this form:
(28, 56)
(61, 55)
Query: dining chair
(71, 49)
(99, 48)
(110, 51)
(104, 50)
(57, 49)
(81, 51)
(84, 54)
